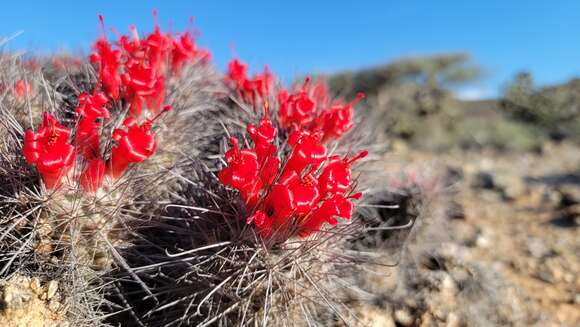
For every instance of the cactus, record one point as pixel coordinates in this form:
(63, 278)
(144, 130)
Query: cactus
(154, 191)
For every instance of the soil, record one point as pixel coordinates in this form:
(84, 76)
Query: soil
(510, 256)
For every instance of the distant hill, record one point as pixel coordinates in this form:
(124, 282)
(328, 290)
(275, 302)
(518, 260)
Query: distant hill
(481, 108)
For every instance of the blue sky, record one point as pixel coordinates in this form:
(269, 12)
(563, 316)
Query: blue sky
(301, 36)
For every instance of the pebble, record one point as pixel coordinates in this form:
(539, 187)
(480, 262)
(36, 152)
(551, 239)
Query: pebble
(52, 288)
(453, 320)
(537, 248)
(404, 317)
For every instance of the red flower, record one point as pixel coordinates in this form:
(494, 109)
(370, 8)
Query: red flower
(90, 108)
(48, 149)
(262, 222)
(143, 85)
(320, 93)
(295, 201)
(336, 177)
(136, 144)
(269, 170)
(204, 55)
(132, 46)
(263, 83)
(263, 136)
(93, 106)
(108, 61)
(93, 176)
(337, 120)
(304, 192)
(87, 138)
(159, 46)
(237, 72)
(258, 87)
(242, 171)
(306, 150)
(184, 49)
(298, 109)
(285, 206)
(336, 206)
(277, 207)
(22, 88)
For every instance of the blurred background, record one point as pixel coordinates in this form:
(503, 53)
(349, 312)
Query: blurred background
(486, 92)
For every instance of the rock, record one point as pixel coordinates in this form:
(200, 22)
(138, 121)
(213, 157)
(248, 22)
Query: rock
(455, 210)
(512, 187)
(569, 196)
(52, 288)
(404, 317)
(400, 146)
(537, 248)
(376, 317)
(427, 320)
(449, 287)
(567, 218)
(465, 234)
(453, 175)
(23, 303)
(483, 240)
(483, 180)
(453, 320)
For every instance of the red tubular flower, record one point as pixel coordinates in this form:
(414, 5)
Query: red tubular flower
(159, 46)
(143, 85)
(285, 205)
(306, 150)
(269, 170)
(320, 93)
(250, 90)
(108, 61)
(48, 149)
(277, 207)
(155, 100)
(337, 120)
(87, 138)
(298, 109)
(304, 192)
(90, 108)
(336, 177)
(22, 88)
(184, 49)
(132, 47)
(237, 72)
(299, 199)
(93, 106)
(263, 83)
(93, 176)
(263, 136)
(242, 171)
(262, 222)
(204, 55)
(336, 206)
(135, 145)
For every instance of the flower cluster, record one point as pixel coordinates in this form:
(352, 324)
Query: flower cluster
(293, 195)
(135, 69)
(249, 89)
(133, 72)
(307, 108)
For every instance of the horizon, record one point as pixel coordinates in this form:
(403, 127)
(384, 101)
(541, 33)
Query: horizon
(301, 37)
